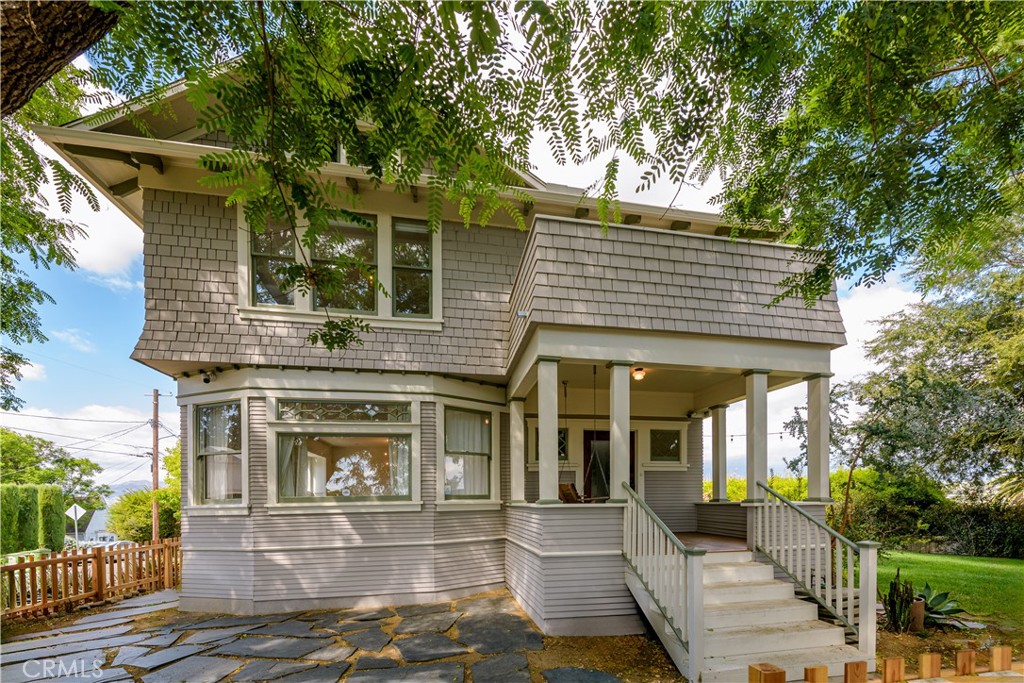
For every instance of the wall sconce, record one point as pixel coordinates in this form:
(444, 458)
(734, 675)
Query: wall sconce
(639, 374)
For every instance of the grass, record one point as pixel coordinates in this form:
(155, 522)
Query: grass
(987, 587)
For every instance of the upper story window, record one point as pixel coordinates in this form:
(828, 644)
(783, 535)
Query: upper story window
(402, 254)
(219, 453)
(413, 270)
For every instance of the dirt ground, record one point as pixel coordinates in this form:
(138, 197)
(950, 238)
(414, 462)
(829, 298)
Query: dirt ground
(634, 659)
(947, 642)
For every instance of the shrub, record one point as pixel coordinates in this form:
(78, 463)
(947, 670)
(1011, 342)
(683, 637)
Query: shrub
(982, 528)
(28, 518)
(51, 518)
(10, 502)
(131, 515)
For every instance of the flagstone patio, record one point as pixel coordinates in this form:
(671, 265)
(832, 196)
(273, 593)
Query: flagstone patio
(483, 638)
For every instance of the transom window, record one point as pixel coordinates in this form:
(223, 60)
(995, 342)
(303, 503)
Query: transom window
(219, 453)
(467, 454)
(347, 467)
(345, 411)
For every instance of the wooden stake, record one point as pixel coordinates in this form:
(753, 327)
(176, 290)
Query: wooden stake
(893, 670)
(765, 673)
(965, 662)
(929, 665)
(1002, 658)
(816, 674)
(855, 672)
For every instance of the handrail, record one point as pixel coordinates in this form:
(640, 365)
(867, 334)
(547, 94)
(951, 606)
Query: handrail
(653, 515)
(816, 522)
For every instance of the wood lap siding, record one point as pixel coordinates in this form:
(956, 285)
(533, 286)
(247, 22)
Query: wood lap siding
(672, 493)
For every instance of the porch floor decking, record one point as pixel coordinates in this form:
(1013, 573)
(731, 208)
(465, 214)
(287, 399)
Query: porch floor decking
(712, 543)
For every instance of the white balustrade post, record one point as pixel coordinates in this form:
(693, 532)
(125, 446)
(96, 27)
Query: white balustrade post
(757, 432)
(619, 433)
(866, 628)
(517, 449)
(818, 438)
(695, 611)
(719, 468)
(547, 430)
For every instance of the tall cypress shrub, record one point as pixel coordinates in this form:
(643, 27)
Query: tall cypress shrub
(51, 518)
(28, 518)
(10, 501)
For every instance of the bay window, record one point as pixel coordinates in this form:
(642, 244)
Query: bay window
(467, 454)
(349, 467)
(219, 453)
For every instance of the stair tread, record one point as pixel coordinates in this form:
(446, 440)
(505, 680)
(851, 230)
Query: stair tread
(744, 584)
(729, 607)
(738, 565)
(772, 629)
(814, 656)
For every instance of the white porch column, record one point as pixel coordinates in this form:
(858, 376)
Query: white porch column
(818, 438)
(757, 431)
(719, 438)
(547, 428)
(517, 449)
(619, 430)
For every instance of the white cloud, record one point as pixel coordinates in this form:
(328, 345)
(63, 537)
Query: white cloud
(76, 339)
(111, 436)
(862, 308)
(117, 282)
(33, 372)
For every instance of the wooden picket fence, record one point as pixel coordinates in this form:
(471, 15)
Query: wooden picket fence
(894, 669)
(60, 581)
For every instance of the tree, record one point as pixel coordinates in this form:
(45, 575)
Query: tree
(867, 133)
(131, 515)
(31, 460)
(51, 518)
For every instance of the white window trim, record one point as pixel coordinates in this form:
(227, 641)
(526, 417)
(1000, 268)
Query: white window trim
(195, 504)
(276, 427)
(302, 309)
(494, 501)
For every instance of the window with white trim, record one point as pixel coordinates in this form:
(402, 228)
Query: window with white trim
(467, 454)
(348, 467)
(356, 290)
(412, 268)
(666, 445)
(219, 453)
(271, 249)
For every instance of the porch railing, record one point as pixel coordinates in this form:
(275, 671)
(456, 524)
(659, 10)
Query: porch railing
(837, 573)
(671, 573)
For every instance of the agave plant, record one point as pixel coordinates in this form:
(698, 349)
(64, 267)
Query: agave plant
(937, 606)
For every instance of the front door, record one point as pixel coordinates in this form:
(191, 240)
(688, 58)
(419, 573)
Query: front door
(597, 463)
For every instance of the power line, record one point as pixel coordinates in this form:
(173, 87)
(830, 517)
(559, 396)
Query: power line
(90, 449)
(125, 474)
(80, 441)
(68, 419)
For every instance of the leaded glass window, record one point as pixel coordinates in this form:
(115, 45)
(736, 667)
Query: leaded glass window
(665, 445)
(344, 411)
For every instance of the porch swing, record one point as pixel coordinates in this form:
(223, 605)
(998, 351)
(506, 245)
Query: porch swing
(568, 493)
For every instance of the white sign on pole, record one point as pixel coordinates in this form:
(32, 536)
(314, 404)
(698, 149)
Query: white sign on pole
(75, 512)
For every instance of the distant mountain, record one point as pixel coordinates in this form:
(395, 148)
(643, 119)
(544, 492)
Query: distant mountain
(123, 487)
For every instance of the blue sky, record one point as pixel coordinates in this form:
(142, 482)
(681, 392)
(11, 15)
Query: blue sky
(83, 388)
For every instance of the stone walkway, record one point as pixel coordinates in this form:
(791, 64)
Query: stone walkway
(479, 639)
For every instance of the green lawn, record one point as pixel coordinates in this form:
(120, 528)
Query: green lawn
(987, 587)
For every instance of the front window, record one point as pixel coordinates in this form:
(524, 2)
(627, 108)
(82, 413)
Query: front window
(219, 452)
(355, 289)
(412, 266)
(272, 249)
(347, 467)
(665, 445)
(467, 456)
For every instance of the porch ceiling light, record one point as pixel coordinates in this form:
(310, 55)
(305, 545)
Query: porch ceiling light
(639, 374)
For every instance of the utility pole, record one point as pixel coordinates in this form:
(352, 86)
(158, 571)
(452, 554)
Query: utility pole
(156, 464)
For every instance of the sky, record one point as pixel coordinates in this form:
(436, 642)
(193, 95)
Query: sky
(84, 392)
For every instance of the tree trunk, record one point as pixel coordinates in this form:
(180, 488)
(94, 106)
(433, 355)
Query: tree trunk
(41, 37)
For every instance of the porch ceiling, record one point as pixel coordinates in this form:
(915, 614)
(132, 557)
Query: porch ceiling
(658, 378)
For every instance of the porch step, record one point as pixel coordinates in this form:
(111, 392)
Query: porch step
(728, 556)
(734, 668)
(737, 572)
(771, 639)
(728, 592)
(765, 612)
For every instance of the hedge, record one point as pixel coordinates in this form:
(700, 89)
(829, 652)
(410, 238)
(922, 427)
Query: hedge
(28, 518)
(51, 518)
(10, 502)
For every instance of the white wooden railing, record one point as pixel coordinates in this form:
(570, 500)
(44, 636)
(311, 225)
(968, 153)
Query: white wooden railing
(671, 574)
(839, 574)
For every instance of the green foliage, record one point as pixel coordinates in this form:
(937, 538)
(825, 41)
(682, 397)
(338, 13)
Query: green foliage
(10, 503)
(979, 527)
(31, 460)
(51, 518)
(131, 515)
(937, 605)
(29, 236)
(28, 518)
(897, 604)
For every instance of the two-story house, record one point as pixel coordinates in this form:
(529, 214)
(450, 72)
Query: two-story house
(527, 411)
